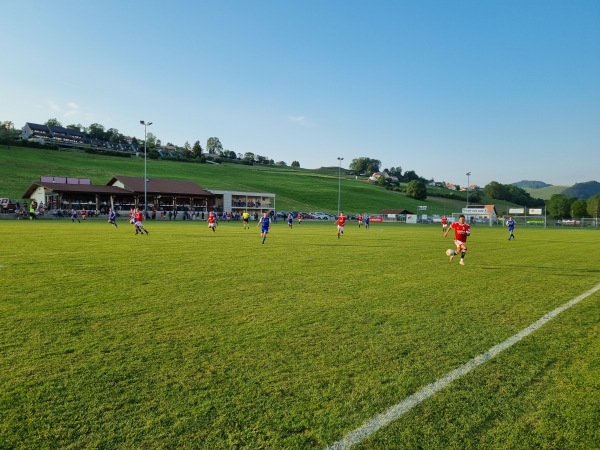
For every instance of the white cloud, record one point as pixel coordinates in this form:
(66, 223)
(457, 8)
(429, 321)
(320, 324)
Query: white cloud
(72, 109)
(298, 119)
(54, 108)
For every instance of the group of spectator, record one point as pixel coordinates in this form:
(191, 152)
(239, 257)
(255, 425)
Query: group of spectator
(243, 203)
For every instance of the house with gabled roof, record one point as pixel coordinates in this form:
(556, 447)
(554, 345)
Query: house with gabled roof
(124, 192)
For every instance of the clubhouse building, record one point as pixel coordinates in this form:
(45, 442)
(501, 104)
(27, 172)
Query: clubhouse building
(124, 192)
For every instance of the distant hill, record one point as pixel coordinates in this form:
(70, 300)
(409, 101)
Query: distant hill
(525, 184)
(546, 192)
(583, 190)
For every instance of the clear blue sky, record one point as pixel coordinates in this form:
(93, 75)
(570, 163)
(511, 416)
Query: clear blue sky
(505, 89)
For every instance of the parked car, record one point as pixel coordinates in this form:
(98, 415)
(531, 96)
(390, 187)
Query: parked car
(10, 208)
(322, 216)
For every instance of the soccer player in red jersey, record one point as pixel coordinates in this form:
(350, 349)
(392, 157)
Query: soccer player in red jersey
(359, 220)
(212, 221)
(461, 231)
(444, 223)
(341, 220)
(139, 218)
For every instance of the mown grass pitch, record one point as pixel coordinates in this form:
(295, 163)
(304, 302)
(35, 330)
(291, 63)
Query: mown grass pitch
(189, 339)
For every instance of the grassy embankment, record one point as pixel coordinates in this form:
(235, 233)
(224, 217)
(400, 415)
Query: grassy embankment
(295, 189)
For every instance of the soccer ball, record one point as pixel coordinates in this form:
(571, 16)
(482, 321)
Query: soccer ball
(450, 252)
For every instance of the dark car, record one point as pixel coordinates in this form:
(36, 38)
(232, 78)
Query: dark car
(9, 208)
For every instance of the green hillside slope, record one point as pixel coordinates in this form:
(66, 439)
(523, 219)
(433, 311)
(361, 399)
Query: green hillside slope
(546, 192)
(295, 189)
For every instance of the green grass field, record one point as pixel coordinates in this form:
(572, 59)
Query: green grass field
(188, 339)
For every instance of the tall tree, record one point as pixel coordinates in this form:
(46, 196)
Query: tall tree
(113, 135)
(295, 164)
(410, 175)
(579, 208)
(77, 127)
(396, 172)
(96, 131)
(496, 191)
(593, 206)
(559, 206)
(364, 164)
(214, 146)
(53, 123)
(416, 189)
(197, 150)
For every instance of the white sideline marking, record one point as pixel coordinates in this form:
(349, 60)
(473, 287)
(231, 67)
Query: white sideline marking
(394, 412)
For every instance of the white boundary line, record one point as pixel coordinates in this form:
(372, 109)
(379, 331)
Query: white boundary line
(394, 412)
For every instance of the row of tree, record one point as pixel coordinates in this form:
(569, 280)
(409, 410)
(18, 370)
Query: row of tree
(369, 166)
(511, 193)
(561, 206)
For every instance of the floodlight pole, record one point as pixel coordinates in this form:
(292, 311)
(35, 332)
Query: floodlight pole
(146, 125)
(8, 125)
(339, 182)
(468, 184)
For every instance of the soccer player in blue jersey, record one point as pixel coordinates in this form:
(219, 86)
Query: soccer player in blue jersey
(112, 217)
(510, 223)
(265, 224)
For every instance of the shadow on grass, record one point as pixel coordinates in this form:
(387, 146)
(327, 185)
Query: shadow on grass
(541, 268)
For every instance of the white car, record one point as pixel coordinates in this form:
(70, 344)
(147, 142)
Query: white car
(321, 216)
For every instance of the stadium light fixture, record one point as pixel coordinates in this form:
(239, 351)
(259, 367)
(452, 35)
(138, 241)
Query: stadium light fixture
(146, 125)
(8, 125)
(468, 184)
(339, 182)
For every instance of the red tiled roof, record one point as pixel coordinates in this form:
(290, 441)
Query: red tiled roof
(161, 186)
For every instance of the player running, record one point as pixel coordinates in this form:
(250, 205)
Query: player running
(461, 231)
(112, 217)
(510, 223)
(360, 220)
(444, 223)
(341, 221)
(290, 220)
(138, 216)
(265, 224)
(212, 221)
